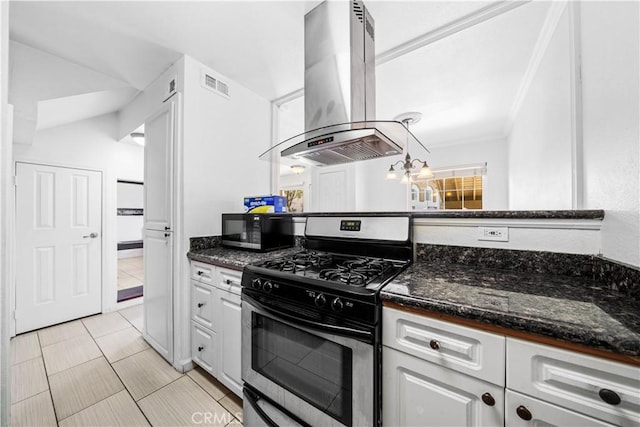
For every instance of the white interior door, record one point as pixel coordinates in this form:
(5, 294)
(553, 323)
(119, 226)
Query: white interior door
(58, 245)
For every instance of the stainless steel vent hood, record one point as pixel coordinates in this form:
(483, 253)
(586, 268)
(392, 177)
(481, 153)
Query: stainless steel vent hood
(339, 92)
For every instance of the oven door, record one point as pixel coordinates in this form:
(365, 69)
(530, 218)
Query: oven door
(321, 374)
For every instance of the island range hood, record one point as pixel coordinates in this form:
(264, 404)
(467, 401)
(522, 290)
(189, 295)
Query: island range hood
(339, 92)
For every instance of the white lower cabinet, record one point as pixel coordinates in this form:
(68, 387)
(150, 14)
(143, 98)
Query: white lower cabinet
(229, 367)
(421, 393)
(525, 411)
(439, 373)
(596, 387)
(216, 323)
(435, 373)
(203, 347)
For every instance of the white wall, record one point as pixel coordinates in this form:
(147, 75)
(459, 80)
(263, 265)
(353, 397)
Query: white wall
(148, 101)
(540, 140)
(6, 202)
(494, 153)
(222, 141)
(130, 196)
(610, 57)
(90, 144)
(374, 192)
(41, 76)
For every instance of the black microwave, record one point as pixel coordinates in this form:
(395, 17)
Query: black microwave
(257, 232)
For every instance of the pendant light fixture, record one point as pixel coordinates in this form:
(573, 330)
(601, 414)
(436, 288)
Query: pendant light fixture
(138, 138)
(297, 169)
(408, 164)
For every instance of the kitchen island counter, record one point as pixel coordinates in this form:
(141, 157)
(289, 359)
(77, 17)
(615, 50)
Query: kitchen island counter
(576, 310)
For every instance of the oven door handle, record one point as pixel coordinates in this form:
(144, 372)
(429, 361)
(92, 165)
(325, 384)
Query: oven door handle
(335, 330)
(252, 398)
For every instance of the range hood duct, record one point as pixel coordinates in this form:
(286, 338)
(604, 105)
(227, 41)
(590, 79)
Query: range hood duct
(339, 91)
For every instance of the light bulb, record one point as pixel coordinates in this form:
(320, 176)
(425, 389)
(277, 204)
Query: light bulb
(138, 138)
(405, 178)
(297, 169)
(392, 173)
(425, 171)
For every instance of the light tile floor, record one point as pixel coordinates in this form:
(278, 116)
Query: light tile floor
(99, 371)
(130, 272)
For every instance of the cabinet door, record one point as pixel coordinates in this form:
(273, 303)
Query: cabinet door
(203, 348)
(230, 343)
(158, 272)
(204, 305)
(596, 387)
(420, 393)
(158, 167)
(469, 351)
(525, 411)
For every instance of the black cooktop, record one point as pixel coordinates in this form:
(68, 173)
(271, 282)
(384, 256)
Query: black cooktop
(350, 271)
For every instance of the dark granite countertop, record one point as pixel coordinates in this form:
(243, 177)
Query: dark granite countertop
(234, 258)
(578, 310)
(596, 214)
(558, 214)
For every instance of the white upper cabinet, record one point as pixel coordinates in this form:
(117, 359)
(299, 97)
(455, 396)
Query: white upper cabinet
(158, 167)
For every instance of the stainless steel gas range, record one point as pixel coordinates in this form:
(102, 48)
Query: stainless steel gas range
(311, 323)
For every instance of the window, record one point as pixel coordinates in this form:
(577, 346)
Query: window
(459, 187)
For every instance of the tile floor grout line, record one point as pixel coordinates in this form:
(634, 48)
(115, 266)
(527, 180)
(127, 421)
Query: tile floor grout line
(110, 365)
(55, 413)
(118, 376)
(182, 375)
(217, 400)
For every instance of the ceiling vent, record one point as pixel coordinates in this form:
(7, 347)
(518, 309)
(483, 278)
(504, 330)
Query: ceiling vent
(209, 81)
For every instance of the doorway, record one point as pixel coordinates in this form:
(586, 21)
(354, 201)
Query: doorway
(58, 245)
(130, 242)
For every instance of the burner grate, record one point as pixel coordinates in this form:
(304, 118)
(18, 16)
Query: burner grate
(348, 277)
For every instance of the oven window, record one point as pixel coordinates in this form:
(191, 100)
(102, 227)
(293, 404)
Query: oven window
(317, 370)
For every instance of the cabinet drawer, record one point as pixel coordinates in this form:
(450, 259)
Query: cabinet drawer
(229, 280)
(575, 381)
(519, 407)
(421, 393)
(203, 348)
(470, 351)
(202, 272)
(203, 301)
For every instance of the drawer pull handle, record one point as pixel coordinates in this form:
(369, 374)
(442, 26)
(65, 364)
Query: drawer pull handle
(523, 413)
(200, 348)
(200, 304)
(200, 273)
(609, 396)
(228, 281)
(434, 344)
(488, 399)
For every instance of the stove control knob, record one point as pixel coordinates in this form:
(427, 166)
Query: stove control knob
(320, 300)
(337, 305)
(256, 283)
(267, 287)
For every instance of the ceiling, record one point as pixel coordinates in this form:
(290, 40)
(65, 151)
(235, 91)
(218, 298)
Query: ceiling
(259, 44)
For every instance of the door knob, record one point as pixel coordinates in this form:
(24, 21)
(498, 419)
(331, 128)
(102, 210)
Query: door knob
(92, 236)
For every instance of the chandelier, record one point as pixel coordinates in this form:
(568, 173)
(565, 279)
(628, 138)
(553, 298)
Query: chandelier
(408, 165)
